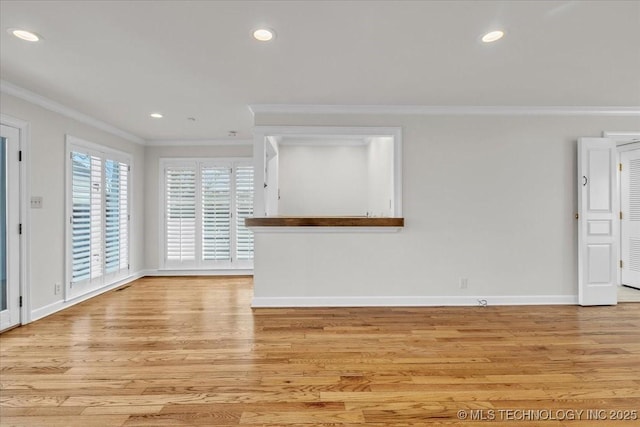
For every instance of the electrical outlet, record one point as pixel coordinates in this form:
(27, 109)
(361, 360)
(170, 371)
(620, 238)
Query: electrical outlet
(57, 288)
(464, 282)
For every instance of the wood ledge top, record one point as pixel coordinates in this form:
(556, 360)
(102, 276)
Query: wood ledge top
(323, 221)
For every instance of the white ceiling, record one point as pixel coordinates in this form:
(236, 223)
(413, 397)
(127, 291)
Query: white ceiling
(118, 61)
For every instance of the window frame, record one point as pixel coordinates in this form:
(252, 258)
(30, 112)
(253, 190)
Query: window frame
(198, 264)
(78, 289)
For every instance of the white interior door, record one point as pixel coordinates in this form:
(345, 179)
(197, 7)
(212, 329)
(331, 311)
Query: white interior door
(9, 227)
(630, 217)
(598, 224)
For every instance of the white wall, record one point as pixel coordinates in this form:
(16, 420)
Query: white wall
(488, 198)
(153, 213)
(380, 176)
(47, 177)
(271, 178)
(322, 180)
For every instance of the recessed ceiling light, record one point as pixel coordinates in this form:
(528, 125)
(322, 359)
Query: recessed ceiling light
(492, 36)
(25, 35)
(156, 115)
(264, 34)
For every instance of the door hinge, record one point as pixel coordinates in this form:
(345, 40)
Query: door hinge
(577, 216)
(621, 264)
(19, 228)
(620, 214)
(20, 300)
(128, 267)
(20, 155)
(620, 167)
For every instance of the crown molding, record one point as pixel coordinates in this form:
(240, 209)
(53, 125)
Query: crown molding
(197, 142)
(445, 110)
(46, 103)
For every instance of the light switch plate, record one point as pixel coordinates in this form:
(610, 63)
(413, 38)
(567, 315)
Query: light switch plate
(36, 202)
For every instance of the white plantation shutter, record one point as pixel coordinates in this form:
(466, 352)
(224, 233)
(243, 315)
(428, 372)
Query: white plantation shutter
(244, 209)
(96, 217)
(99, 223)
(81, 217)
(216, 213)
(124, 216)
(180, 222)
(206, 203)
(116, 216)
(112, 216)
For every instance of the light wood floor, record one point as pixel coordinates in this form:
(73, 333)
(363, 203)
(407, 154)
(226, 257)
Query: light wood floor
(177, 351)
(626, 294)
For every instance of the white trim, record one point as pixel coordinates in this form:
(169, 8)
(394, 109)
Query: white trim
(206, 272)
(273, 230)
(46, 103)
(334, 131)
(197, 142)
(87, 145)
(413, 301)
(446, 110)
(626, 146)
(622, 138)
(52, 308)
(25, 214)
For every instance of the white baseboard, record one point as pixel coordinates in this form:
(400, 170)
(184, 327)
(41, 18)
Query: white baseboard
(229, 272)
(417, 301)
(52, 308)
(47, 310)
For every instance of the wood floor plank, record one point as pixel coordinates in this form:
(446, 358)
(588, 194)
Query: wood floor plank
(190, 351)
(301, 417)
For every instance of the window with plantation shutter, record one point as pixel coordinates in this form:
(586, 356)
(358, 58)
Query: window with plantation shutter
(180, 215)
(116, 216)
(216, 213)
(98, 217)
(206, 202)
(81, 219)
(244, 209)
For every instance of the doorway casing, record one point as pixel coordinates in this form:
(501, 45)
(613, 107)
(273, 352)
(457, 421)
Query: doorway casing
(25, 192)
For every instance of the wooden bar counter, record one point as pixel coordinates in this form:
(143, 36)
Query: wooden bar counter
(323, 221)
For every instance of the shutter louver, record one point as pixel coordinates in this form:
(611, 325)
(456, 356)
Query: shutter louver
(244, 209)
(81, 217)
(180, 214)
(112, 216)
(96, 217)
(124, 216)
(216, 213)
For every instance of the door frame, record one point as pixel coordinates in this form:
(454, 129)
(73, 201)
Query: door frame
(625, 141)
(24, 130)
